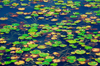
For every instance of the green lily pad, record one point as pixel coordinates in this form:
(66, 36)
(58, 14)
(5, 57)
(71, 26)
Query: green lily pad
(71, 57)
(28, 38)
(63, 45)
(22, 37)
(72, 41)
(43, 54)
(25, 35)
(15, 24)
(24, 42)
(35, 15)
(16, 42)
(55, 45)
(2, 48)
(7, 62)
(26, 49)
(28, 59)
(45, 63)
(0, 62)
(80, 51)
(48, 60)
(53, 64)
(71, 61)
(19, 51)
(34, 24)
(32, 30)
(1, 53)
(98, 60)
(73, 16)
(35, 52)
(1, 6)
(81, 59)
(33, 45)
(28, 17)
(92, 63)
(88, 47)
(24, 4)
(13, 60)
(40, 59)
(7, 50)
(38, 62)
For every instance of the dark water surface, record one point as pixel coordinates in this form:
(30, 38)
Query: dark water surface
(13, 35)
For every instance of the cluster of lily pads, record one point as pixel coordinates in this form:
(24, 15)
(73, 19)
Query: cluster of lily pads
(73, 40)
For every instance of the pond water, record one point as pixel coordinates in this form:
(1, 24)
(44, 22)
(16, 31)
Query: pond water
(49, 33)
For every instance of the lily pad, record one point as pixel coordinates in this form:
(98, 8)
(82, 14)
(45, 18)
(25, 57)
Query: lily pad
(45, 63)
(43, 54)
(28, 59)
(35, 52)
(72, 41)
(16, 42)
(81, 59)
(2, 48)
(98, 60)
(71, 61)
(53, 64)
(92, 63)
(88, 47)
(33, 45)
(7, 62)
(80, 51)
(26, 49)
(19, 51)
(41, 47)
(71, 57)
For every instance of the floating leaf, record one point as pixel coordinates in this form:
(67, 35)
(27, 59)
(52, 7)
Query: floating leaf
(35, 52)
